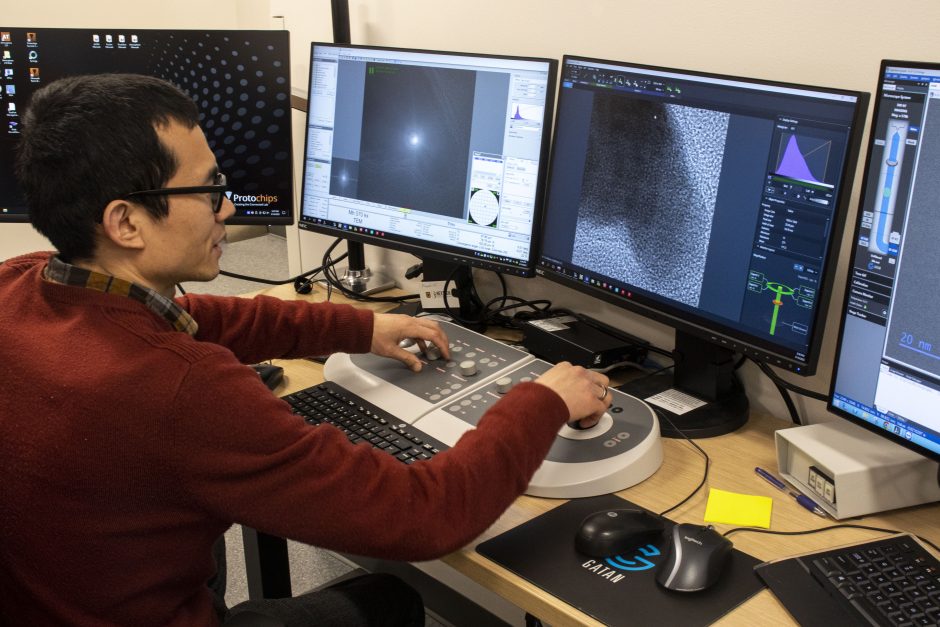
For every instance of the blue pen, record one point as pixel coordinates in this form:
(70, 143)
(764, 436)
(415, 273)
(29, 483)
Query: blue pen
(803, 500)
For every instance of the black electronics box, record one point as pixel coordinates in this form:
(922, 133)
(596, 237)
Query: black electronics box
(582, 341)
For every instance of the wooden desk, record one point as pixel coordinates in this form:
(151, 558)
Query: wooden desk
(733, 458)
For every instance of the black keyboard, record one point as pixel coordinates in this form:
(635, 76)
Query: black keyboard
(361, 421)
(894, 581)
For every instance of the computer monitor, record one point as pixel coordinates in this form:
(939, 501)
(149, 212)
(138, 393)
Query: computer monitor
(240, 80)
(887, 368)
(713, 204)
(439, 154)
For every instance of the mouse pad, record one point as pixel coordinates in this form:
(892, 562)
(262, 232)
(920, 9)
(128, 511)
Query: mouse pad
(617, 591)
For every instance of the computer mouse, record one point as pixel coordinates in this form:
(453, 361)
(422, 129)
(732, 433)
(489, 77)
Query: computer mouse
(614, 531)
(270, 374)
(694, 558)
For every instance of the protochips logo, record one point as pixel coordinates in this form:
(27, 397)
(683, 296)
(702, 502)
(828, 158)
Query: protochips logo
(246, 200)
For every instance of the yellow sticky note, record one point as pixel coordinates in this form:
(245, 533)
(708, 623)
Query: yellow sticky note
(731, 508)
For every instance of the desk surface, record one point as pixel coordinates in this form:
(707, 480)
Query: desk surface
(733, 458)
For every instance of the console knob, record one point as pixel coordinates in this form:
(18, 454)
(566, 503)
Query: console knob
(468, 368)
(432, 353)
(503, 385)
(407, 343)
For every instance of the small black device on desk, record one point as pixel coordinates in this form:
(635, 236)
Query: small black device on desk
(582, 341)
(610, 532)
(696, 557)
(270, 374)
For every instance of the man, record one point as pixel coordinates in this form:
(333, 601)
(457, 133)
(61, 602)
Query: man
(131, 435)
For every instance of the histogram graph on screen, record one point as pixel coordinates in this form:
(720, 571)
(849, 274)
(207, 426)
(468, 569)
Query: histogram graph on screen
(803, 157)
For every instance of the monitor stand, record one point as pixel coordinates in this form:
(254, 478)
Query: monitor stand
(358, 278)
(706, 397)
(462, 297)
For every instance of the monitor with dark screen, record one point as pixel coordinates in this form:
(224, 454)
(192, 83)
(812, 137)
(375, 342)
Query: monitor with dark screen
(439, 154)
(714, 204)
(887, 373)
(239, 79)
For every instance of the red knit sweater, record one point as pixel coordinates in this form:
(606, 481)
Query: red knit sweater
(127, 448)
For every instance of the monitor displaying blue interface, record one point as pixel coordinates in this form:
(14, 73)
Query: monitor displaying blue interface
(712, 203)
(887, 373)
(239, 79)
(439, 154)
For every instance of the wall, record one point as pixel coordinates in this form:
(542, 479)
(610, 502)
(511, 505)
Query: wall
(837, 44)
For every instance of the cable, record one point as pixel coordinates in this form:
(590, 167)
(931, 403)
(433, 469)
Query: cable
(333, 280)
(490, 314)
(700, 450)
(790, 386)
(820, 529)
(794, 415)
(303, 284)
(255, 279)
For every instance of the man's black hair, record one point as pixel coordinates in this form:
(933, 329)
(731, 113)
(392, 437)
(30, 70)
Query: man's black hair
(88, 140)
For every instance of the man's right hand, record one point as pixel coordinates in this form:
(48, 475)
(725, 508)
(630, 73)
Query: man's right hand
(584, 392)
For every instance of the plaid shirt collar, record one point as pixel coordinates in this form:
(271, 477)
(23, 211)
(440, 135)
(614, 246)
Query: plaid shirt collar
(58, 271)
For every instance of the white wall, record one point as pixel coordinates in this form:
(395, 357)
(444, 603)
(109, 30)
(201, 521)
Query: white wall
(838, 44)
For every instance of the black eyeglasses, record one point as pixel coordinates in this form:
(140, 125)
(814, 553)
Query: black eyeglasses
(216, 192)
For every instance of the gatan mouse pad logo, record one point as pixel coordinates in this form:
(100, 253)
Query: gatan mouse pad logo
(612, 568)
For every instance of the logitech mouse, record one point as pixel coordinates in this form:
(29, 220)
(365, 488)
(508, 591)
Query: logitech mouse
(270, 374)
(694, 558)
(613, 531)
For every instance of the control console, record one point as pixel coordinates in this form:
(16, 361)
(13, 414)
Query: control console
(448, 398)
(475, 360)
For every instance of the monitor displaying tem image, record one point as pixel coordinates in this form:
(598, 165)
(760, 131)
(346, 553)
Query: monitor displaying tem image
(439, 154)
(887, 373)
(711, 203)
(239, 79)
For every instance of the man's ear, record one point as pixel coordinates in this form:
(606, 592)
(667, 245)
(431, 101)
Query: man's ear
(124, 224)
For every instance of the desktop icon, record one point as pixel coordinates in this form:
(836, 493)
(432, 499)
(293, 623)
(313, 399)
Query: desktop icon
(7, 55)
(11, 107)
(95, 39)
(31, 38)
(7, 72)
(11, 90)
(33, 55)
(13, 126)
(34, 72)
(108, 39)
(133, 39)
(5, 37)
(122, 39)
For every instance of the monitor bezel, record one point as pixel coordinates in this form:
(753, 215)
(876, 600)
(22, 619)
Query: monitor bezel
(715, 332)
(420, 248)
(885, 64)
(237, 218)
